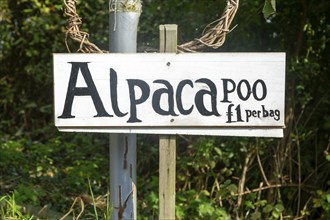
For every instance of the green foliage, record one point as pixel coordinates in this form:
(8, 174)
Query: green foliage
(193, 16)
(9, 209)
(322, 201)
(198, 205)
(269, 8)
(54, 173)
(217, 177)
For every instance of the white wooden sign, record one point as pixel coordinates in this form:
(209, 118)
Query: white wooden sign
(232, 94)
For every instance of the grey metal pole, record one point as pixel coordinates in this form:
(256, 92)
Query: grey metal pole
(123, 19)
(123, 31)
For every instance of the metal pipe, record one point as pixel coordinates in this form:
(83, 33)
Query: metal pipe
(123, 35)
(123, 32)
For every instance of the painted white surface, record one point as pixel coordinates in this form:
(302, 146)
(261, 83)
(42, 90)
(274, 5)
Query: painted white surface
(215, 67)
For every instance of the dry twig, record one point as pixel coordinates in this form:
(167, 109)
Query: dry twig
(214, 34)
(73, 30)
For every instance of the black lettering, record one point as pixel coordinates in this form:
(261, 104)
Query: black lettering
(156, 98)
(179, 97)
(199, 98)
(113, 93)
(90, 90)
(239, 113)
(248, 90)
(277, 114)
(145, 89)
(226, 91)
(264, 112)
(230, 114)
(264, 90)
(248, 114)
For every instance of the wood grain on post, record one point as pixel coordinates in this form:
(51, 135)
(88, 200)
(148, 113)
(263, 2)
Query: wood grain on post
(168, 38)
(167, 164)
(167, 143)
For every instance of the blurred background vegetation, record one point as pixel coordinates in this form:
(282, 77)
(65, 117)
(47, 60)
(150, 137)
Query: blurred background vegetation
(48, 174)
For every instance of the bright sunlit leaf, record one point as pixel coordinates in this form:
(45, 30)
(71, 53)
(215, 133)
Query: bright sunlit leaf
(269, 8)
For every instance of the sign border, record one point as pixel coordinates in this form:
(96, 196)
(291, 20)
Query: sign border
(247, 131)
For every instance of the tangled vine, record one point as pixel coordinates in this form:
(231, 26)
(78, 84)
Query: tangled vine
(214, 34)
(73, 30)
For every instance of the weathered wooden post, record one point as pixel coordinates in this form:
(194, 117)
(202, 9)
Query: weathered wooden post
(123, 19)
(167, 143)
(223, 94)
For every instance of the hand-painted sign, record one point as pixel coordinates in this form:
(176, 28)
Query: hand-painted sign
(236, 94)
